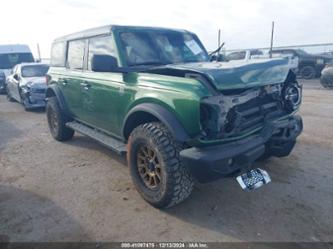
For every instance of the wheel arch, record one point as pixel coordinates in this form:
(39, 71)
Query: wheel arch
(149, 112)
(54, 91)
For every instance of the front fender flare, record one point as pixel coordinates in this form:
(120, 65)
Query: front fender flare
(164, 116)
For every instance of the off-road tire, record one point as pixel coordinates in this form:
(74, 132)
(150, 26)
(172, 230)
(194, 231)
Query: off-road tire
(58, 130)
(307, 72)
(177, 183)
(326, 82)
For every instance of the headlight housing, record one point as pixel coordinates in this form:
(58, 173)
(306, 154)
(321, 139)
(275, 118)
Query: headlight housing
(292, 96)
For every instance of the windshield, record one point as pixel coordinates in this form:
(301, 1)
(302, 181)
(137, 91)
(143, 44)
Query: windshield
(34, 71)
(8, 61)
(156, 47)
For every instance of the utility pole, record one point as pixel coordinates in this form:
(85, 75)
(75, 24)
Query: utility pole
(38, 52)
(218, 44)
(272, 39)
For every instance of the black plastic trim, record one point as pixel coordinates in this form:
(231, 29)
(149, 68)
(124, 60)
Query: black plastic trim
(163, 115)
(210, 163)
(61, 100)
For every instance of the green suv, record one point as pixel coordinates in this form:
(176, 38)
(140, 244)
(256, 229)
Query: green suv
(155, 95)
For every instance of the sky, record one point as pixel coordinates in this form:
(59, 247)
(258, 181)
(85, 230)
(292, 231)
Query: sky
(243, 23)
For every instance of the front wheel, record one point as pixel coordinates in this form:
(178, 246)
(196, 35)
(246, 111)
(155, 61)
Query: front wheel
(155, 166)
(278, 150)
(57, 120)
(9, 96)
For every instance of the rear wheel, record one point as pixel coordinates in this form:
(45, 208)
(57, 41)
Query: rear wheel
(307, 72)
(155, 166)
(57, 120)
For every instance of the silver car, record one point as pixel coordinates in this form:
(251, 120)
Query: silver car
(27, 84)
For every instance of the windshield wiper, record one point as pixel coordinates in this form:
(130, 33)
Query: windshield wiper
(217, 50)
(148, 63)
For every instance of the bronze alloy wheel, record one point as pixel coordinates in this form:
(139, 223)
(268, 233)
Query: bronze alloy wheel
(53, 120)
(155, 166)
(149, 167)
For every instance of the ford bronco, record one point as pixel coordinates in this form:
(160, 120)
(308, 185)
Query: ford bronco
(155, 95)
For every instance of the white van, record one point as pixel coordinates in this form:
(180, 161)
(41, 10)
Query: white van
(251, 54)
(11, 55)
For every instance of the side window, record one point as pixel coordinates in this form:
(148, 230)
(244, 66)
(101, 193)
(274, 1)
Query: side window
(75, 55)
(100, 46)
(58, 54)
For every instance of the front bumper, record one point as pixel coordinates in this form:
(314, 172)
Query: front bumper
(34, 98)
(213, 162)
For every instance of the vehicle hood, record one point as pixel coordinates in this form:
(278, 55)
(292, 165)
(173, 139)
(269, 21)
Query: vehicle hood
(34, 82)
(239, 74)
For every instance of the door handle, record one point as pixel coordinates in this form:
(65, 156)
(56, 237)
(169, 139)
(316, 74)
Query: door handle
(85, 85)
(63, 82)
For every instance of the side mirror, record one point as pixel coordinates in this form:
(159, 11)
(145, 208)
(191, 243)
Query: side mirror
(104, 63)
(16, 77)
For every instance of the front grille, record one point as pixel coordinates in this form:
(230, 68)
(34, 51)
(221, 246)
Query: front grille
(251, 115)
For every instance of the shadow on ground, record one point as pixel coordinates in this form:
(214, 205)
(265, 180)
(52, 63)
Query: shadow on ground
(8, 132)
(26, 216)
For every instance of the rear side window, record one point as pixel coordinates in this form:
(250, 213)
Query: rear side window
(100, 46)
(75, 54)
(58, 54)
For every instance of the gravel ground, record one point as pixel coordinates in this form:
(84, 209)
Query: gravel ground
(80, 191)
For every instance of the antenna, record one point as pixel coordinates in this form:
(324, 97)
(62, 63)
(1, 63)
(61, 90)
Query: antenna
(218, 44)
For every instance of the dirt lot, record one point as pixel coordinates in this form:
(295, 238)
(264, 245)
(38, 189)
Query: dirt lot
(78, 190)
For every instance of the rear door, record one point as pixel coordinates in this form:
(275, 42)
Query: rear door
(71, 81)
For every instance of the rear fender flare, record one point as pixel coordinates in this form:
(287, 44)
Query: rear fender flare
(54, 91)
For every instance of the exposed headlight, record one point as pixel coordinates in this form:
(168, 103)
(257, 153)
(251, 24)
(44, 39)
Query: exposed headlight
(292, 96)
(320, 61)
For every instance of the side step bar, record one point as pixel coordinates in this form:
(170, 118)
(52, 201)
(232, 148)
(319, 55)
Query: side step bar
(112, 143)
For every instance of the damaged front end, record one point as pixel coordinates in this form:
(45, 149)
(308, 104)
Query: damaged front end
(233, 113)
(33, 95)
(240, 126)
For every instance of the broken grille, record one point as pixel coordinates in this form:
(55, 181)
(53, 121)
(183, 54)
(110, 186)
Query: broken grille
(251, 115)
